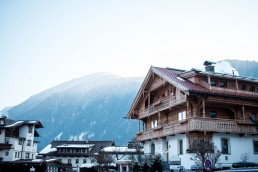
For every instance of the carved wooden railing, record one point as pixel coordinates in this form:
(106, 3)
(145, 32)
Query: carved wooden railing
(163, 104)
(197, 124)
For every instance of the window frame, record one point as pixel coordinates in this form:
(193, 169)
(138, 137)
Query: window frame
(228, 146)
(180, 147)
(255, 151)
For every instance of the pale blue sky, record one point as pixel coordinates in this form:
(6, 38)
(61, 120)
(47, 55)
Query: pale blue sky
(47, 42)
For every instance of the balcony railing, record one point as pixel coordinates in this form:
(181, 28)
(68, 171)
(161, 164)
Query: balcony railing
(11, 133)
(163, 104)
(197, 124)
(5, 146)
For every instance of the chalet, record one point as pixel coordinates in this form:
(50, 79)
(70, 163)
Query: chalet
(76, 153)
(17, 139)
(177, 107)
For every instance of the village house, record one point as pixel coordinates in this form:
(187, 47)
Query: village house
(176, 108)
(76, 153)
(17, 139)
(124, 157)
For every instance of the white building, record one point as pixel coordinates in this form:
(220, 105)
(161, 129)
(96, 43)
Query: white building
(175, 108)
(124, 156)
(77, 153)
(17, 139)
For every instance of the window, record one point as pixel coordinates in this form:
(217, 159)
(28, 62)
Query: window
(2, 121)
(20, 141)
(181, 116)
(223, 84)
(84, 161)
(15, 155)
(27, 155)
(69, 161)
(251, 88)
(7, 140)
(225, 146)
(242, 87)
(214, 83)
(213, 114)
(255, 144)
(180, 147)
(256, 89)
(30, 129)
(152, 149)
(28, 142)
(7, 153)
(154, 123)
(77, 161)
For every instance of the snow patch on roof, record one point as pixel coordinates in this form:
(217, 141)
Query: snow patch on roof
(47, 149)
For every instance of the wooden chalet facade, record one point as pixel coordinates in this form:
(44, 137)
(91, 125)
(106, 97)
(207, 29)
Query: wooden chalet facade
(176, 107)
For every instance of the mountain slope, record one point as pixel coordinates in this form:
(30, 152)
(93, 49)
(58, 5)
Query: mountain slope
(91, 107)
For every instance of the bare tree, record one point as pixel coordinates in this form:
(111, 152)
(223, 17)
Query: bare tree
(104, 160)
(204, 150)
(244, 157)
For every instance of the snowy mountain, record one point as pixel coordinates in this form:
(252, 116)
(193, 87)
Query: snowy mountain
(91, 107)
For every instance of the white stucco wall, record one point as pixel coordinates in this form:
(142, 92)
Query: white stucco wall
(238, 146)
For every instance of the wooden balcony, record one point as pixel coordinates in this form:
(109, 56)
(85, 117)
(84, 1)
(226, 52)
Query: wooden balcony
(5, 146)
(163, 104)
(197, 124)
(12, 133)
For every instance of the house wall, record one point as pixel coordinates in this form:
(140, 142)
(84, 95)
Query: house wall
(238, 146)
(76, 167)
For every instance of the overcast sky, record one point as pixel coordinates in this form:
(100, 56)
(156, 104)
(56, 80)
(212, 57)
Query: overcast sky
(46, 42)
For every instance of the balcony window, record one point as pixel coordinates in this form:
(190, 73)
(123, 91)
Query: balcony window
(154, 123)
(181, 116)
(180, 147)
(225, 146)
(251, 88)
(214, 83)
(77, 161)
(213, 114)
(84, 161)
(255, 144)
(242, 87)
(223, 84)
(7, 153)
(69, 161)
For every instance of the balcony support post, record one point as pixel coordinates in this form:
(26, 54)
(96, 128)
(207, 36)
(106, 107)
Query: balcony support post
(203, 107)
(139, 125)
(188, 110)
(243, 112)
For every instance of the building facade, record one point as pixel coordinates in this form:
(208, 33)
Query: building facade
(176, 108)
(75, 153)
(17, 139)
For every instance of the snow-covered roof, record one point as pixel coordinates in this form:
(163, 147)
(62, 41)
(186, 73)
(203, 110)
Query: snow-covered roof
(87, 165)
(47, 149)
(75, 146)
(121, 149)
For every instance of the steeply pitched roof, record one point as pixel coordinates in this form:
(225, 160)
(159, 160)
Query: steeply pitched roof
(173, 77)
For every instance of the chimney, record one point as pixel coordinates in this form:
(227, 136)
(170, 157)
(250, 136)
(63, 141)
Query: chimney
(209, 67)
